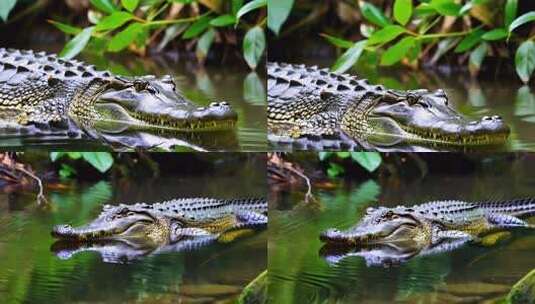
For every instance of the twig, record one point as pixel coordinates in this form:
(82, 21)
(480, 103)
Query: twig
(41, 199)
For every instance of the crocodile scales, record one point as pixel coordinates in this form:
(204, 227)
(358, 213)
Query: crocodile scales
(44, 95)
(313, 108)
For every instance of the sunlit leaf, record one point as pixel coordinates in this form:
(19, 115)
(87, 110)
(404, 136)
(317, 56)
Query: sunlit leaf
(223, 20)
(324, 155)
(130, 5)
(113, 21)
(510, 12)
(125, 37)
(251, 6)
(396, 52)
(373, 14)
(76, 44)
(495, 34)
(278, 12)
(446, 7)
(102, 161)
(386, 34)
(349, 58)
(204, 43)
(66, 28)
(5, 7)
(368, 160)
(525, 60)
(339, 42)
(469, 41)
(403, 11)
(335, 170)
(236, 5)
(104, 5)
(527, 17)
(197, 27)
(476, 57)
(254, 44)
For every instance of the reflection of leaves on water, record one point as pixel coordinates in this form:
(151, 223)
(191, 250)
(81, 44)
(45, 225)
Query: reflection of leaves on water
(204, 83)
(476, 97)
(525, 104)
(253, 89)
(81, 206)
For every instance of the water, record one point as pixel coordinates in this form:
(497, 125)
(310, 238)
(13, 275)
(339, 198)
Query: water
(494, 92)
(299, 274)
(31, 273)
(234, 83)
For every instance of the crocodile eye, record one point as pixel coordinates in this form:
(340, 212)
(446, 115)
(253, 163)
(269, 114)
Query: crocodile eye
(140, 85)
(130, 213)
(395, 216)
(389, 213)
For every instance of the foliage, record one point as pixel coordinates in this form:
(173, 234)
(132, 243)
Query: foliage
(370, 161)
(134, 24)
(411, 32)
(102, 161)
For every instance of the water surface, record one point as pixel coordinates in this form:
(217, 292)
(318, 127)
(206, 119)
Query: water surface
(298, 274)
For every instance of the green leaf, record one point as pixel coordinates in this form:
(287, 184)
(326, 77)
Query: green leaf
(386, 34)
(130, 5)
(5, 8)
(236, 5)
(495, 34)
(349, 58)
(66, 171)
(396, 52)
(76, 44)
(253, 89)
(368, 160)
(251, 6)
(66, 28)
(324, 155)
(525, 60)
(334, 170)
(254, 44)
(204, 43)
(278, 12)
(373, 14)
(113, 21)
(476, 57)
(223, 20)
(125, 37)
(470, 41)
(74, 155)
(56, 155)
(446, 7)
(402, 11)
(510, 12)
(106, 6)
(197, 27)
(341, 43)
(102, 161)
(527, 17)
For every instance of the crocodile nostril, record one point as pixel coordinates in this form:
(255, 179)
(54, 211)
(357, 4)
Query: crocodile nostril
(224, 103)
(214, 104)
(496, 117)
(486, 118)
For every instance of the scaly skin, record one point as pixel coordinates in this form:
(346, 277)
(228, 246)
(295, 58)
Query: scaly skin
(312, 108)
(399, 233)
(43, 95)
(181, 224)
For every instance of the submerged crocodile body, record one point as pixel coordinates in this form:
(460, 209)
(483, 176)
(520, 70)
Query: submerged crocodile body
(125, 232)
(394, 235)
(43, 95)
(312, 108)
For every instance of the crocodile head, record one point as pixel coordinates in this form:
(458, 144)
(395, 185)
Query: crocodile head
(381, 226)
(121, 222)
(152, 103)
(420, 117)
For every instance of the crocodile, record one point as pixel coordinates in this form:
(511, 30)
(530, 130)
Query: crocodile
(126, 232)
(400, 233)
(45, 96)
(313, 108)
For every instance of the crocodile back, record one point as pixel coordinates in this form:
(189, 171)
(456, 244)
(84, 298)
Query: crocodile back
(450, 212)
(516, 207)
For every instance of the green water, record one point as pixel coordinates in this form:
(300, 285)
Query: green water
(299, 274)
(31, 273)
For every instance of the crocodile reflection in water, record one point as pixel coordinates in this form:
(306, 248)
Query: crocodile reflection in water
(386, 236)
(126, 232)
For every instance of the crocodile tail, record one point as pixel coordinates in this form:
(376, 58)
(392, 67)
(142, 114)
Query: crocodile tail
(515, 207)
